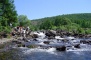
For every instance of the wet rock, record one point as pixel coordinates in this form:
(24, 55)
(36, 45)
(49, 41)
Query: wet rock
(34, 36)
(62, 32)
(50, 33)
(64, 40)
(88, 35)
(46, 42)
(85, 41)
(35, 40)
(81, 35)
(17, 42)
(77, 45)
(13, 34)
(75, 35)
(61, 48)
(51, 37)
(21, 45)
(69, 33)
(25, 39)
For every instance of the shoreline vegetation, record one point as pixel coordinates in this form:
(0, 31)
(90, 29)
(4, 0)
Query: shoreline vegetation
(70, 24)
(75, 23)
(78, 25)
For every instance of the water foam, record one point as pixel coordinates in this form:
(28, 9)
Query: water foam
(58, 37)
(33, 50)
(70, 38)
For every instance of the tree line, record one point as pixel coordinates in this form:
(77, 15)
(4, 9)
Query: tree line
(78, 23)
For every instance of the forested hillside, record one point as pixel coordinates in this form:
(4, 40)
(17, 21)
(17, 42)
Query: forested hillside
(79, 23)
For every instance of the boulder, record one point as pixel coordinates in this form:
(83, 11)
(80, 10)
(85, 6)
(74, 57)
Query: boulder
(61, 48)
(46, 42)
(85, 41)
(51, 37)
(21, 45)
(25, 39)
(77, 45)
(65, 40)
(50, 33)
(13, 34)
(69, 33)
(35, 40)
(34, 35)
(17, 42)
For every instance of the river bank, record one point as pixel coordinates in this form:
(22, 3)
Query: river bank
(4, 40)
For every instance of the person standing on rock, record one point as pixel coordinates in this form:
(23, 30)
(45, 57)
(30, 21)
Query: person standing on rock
(24, 33)
(27, 29)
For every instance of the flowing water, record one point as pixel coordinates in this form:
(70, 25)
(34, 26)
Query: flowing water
(46, 52)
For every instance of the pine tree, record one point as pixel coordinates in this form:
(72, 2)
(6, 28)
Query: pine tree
(8, 12)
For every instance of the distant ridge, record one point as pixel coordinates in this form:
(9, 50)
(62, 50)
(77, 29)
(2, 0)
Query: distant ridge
(76, 16)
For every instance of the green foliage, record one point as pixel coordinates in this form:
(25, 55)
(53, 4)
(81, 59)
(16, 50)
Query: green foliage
(83, 19)
(6, 29)
(61, 21)
(23, 21)
(33, 28)
(72, 27)
(77, 23)
(88, 31)
(54, 27)
(47, 24)
(8, 15)
(80, 30)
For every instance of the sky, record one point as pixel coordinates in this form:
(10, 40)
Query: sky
(35, 9)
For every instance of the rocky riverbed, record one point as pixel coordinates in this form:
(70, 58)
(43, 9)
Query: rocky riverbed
(43, 46)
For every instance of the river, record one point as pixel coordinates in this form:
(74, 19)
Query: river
(12, 52)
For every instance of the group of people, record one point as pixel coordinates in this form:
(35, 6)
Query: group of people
(20, 31)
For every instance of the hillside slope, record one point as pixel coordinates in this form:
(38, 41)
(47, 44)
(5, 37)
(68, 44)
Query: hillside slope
(80, 23)
(80, 16)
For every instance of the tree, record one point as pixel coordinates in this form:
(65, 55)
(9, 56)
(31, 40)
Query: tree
(23, 21)
(47, 24)
(8, 12)
(61, 21)
(8, 15)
